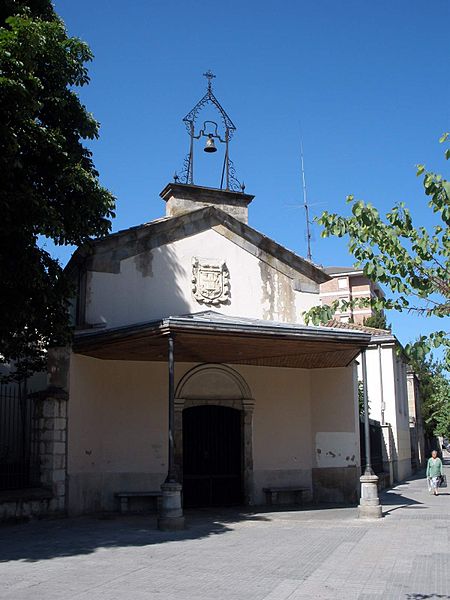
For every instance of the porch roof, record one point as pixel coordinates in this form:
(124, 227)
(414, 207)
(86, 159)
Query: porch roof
(212, 337)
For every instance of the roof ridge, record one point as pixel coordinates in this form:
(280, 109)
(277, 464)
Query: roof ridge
(184, 225)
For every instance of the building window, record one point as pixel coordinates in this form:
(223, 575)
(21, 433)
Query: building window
(342, 283)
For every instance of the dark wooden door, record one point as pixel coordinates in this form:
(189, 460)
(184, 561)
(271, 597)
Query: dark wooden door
(212, 456)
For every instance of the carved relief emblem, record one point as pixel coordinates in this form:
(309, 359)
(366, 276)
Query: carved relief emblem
(210, 281)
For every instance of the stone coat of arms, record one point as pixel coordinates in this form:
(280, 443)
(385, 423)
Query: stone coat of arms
(210, 281)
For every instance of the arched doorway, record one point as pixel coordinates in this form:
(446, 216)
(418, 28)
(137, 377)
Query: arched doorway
(212, 456)
(216, 386)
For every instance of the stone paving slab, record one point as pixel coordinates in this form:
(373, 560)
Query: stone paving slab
(325, 554)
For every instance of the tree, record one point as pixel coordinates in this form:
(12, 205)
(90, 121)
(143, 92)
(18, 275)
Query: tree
(412, 262)
(377, 320)
(49, 186)
(434, 390)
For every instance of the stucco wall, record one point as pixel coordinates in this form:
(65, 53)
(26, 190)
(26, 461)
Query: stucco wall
(118, 428)
(394, 396)
(404, 468)
(304, 301)
(117, 438)
(161, 280)
(335, 431)
(416, 421)
(117, 425)
(281, 427)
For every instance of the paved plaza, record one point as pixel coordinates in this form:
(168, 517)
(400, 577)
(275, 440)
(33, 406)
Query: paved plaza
(295, 555)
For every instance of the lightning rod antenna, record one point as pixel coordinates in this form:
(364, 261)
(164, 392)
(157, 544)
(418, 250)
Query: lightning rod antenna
(305, 204)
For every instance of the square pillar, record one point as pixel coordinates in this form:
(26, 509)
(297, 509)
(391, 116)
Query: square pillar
(52, 446)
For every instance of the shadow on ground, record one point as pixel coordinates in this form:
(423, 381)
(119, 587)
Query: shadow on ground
(398, 501)
(424, 596)
(43, 540)
(47, 539)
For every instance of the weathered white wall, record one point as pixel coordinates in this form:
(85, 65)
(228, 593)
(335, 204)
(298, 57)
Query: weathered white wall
(334, 418)
(161, 284)
(117, 437)
(416, 421)
(393, 384)
(281, 427)
(335, 431)
(117, 430)
(335, 449)
(304, 301)
(404, 439)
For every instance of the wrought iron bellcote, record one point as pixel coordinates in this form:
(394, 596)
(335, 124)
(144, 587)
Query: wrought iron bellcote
(211, 131)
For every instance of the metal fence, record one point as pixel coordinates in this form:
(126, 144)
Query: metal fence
(376, 442)
(19, 464)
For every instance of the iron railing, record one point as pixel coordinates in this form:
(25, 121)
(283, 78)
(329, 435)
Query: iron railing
(19, 463)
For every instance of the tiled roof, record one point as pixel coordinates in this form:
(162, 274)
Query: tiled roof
(335, 324)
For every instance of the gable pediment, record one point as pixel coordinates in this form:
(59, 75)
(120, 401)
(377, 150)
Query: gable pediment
(105, 255)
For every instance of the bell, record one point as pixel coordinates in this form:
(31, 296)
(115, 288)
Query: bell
(210, 146)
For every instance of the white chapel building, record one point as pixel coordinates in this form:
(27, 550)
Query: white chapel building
(259, 399)
(192, 375)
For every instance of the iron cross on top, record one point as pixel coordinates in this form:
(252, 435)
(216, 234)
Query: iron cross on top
(209, 76)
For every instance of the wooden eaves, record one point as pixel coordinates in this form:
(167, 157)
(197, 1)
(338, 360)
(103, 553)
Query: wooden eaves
(213, 338)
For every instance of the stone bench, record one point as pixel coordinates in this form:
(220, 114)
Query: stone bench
(124, 498)
(272, 493)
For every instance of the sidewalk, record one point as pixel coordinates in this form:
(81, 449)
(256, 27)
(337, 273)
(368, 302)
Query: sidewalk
(288, 555)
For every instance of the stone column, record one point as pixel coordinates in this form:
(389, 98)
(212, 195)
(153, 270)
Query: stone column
(52, 435)
(52, 428)
(369, 504)
(171, 510)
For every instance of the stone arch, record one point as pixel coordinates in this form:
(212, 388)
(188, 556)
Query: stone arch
(212, 382)
(219, 385)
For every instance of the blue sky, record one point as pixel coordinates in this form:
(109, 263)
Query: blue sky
(365, 85)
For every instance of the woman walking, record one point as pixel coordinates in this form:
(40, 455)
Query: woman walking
(434, 472)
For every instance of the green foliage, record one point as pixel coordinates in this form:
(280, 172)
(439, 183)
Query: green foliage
(49, 186)
(434, 388)
(378, 320)
(318, 315)
(361, 398)
(412, 262)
